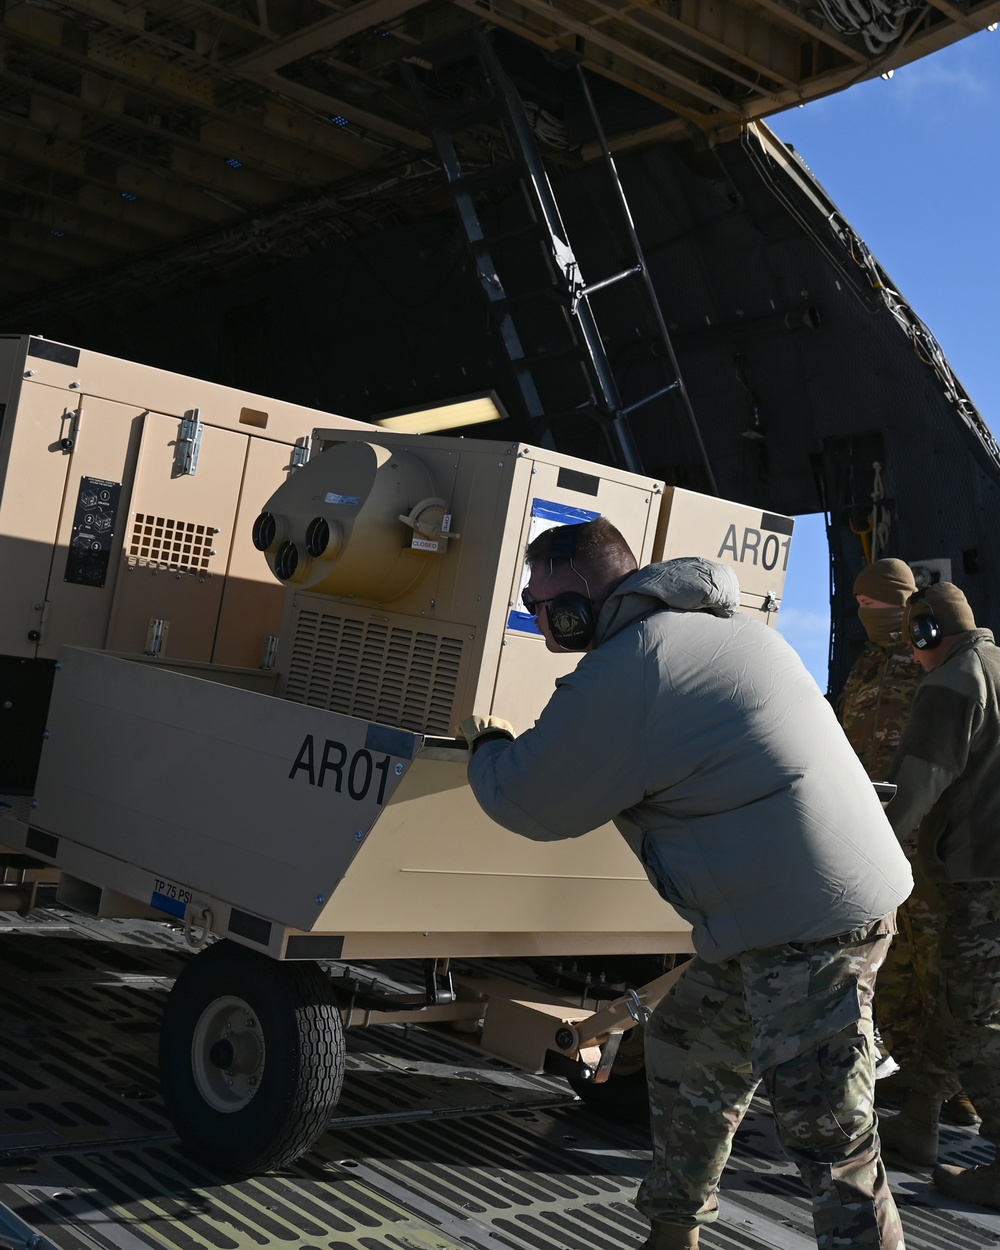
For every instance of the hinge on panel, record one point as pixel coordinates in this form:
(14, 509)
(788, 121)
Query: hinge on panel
(301, 453)
(770, 603)
(188, 444)
(156, 636)
(270, 651)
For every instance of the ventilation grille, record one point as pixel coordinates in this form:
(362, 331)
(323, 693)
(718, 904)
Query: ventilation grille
(375, 671)
(159, 543)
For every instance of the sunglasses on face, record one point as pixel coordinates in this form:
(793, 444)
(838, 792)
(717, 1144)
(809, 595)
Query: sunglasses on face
(531, 606)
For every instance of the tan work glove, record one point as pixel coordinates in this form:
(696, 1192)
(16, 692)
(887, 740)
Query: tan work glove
(475, 728)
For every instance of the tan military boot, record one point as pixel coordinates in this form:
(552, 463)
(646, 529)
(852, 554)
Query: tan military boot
(959, 1110)
(978, 1186)
(670, 1237)
(912, 1136)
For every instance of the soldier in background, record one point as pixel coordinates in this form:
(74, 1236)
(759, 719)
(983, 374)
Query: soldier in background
(880, 686)
(947, 771)
(873, 710)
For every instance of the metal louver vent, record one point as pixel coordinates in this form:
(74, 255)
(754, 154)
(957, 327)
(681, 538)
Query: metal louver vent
(375, 671)
(160, 542)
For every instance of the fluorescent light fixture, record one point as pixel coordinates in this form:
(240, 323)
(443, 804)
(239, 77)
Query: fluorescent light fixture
(472, 410)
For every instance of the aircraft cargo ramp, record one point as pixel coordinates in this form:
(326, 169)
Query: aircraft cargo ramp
(432, 1147)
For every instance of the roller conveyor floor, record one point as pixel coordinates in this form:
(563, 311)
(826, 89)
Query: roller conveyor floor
(433, 1147)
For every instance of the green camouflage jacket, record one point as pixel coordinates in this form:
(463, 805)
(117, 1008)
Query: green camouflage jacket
(947, 764)
(876, 702)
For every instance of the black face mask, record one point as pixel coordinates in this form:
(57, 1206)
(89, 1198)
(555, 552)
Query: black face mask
(884, 626)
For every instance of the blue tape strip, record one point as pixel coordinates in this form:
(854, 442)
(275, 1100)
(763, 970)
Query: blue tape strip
(522, 621)
(172, 905)
(561, 513)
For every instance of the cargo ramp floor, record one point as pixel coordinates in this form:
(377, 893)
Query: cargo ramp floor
(433, 1147)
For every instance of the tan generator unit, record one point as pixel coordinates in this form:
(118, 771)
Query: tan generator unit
(127, 498)
(317, 808)
(405, 558)
(332, 818)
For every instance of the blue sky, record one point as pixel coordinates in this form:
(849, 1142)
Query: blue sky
(913, 163)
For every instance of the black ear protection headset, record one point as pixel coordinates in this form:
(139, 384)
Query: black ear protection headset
(922, 626)
(572, 619)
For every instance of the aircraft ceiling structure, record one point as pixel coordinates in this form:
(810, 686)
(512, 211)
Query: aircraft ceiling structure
(815, 386)
(249, 193)
(137, 139)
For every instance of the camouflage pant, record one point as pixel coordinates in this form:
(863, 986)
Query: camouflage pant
(908, 983)
(798, 1018)
(961, 1041)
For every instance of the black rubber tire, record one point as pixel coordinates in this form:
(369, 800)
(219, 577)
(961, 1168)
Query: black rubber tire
(624, 1097)
(288, 1073)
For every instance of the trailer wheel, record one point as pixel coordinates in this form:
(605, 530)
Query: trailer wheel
(624, 1096)
(251, 1058)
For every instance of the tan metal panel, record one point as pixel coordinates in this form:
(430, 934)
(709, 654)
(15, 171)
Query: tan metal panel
(253, 603)
(434, 863)
(755, 543)
(210, 786)
(525, 676)
(177, 543)
(33, 475)
(105, 445)
(315, 820)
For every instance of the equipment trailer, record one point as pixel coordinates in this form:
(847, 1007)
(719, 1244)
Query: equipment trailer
(304, 800)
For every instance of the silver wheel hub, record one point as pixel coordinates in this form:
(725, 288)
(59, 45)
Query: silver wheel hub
(227, 1054)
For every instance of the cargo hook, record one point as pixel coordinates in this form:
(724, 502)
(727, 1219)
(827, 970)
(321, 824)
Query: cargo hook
(205, 925)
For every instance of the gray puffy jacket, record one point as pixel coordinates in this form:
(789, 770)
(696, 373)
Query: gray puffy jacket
(701, 735)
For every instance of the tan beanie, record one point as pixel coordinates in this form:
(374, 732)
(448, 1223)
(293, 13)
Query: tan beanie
(888, 581)
(946, 603)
